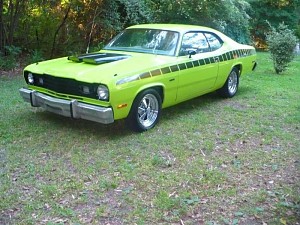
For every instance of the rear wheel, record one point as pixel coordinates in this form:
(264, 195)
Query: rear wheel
(231, 85)
(145, 111)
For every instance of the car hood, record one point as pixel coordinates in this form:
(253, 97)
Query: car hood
(101, 67)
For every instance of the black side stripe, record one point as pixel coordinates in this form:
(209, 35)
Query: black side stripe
(182, 66)
(174, 68)
(212, 60)
(189, 65)
(145, 75)
(155, 72)
(228, 56)
(196, 63)
(166, 70)
(201, 62)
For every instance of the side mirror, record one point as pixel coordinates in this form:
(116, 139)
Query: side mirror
(191, 52)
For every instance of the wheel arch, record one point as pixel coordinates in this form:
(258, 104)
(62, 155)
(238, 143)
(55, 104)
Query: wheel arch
(157, 86)
(239, 67)
(230, 87)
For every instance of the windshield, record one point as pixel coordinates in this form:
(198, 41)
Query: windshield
(151, 41)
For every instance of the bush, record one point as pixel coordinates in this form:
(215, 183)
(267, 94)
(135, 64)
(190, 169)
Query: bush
(35, 56)
(281, 43)
(9, 60)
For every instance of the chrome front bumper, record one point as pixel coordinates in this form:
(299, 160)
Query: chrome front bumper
(73, 108)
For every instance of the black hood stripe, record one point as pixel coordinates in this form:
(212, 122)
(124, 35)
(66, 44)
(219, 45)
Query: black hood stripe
(98, 58)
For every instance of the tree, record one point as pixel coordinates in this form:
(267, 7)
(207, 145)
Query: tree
(274, 12)
(60, 27)
(230, 16)
(11, 11)
(2, 38)
(76, 25)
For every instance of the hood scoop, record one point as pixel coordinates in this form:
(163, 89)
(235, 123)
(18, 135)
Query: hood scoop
(98, 58)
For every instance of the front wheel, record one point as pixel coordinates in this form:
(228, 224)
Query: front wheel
(231, 85)
(145, 111)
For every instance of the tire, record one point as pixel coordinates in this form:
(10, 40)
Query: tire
(145, 111)
(231, 85)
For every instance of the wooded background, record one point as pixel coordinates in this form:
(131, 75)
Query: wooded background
(53, 28)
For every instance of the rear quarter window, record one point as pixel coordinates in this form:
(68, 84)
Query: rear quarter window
(214, 41)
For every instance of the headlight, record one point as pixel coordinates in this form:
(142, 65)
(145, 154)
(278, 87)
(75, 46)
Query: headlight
(102, 93)
(30, 78)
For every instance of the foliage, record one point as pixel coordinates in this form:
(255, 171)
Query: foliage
(281, 43)
(60, 27)
(35, 56)
(237, 22)
(274, 12)
(231, 16)
(77, 26)
(11, 11)
(73, 26)
(10, 60)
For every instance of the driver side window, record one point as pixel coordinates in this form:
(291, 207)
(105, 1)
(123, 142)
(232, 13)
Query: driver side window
(194, 41)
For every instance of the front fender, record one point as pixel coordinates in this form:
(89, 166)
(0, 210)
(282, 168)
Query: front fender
(122, 98)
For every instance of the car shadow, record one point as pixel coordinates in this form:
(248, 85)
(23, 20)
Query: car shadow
(119, 127)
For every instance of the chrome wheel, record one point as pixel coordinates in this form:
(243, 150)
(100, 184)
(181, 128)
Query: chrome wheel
(145, 110)
(231, 85)
(232, 82)
(148, 110)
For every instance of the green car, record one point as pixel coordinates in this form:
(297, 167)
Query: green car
(141, 71)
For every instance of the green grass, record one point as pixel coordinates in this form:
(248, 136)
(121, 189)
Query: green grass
(209, 160)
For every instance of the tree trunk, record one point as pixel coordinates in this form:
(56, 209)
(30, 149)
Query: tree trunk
(14, 12)
(2, 38)
(92, 29)
(11, 10)
(57, 30)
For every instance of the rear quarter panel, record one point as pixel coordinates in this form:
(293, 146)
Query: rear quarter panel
(241, 56)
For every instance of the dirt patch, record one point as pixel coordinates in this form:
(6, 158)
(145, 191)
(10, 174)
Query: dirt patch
(12, 73)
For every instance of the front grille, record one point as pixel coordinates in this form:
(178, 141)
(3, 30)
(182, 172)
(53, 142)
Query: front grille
(66, 86)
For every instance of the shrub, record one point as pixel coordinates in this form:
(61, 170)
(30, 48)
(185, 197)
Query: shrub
(281, 43)
(35, 56)
(9, 60)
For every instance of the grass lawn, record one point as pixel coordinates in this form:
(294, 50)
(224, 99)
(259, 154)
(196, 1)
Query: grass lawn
(209, 160)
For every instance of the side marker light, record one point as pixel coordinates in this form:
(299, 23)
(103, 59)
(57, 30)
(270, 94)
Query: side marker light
(122, 106)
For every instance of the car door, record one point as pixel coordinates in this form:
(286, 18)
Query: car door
(198, 66)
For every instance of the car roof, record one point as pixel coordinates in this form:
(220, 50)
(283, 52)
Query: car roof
(182, 28)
